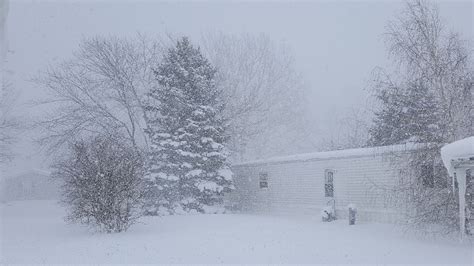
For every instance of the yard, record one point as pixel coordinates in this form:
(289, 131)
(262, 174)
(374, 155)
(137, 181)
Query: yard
(34, 232)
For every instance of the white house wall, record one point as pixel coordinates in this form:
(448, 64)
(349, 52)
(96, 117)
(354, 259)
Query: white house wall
(30, 186)
(298, 187)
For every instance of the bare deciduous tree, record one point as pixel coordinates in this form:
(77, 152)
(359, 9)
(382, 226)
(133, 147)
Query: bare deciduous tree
(100, 90)
(9, 124)
(433, 93)
(427, 52)
(351, 130)
(264, 95)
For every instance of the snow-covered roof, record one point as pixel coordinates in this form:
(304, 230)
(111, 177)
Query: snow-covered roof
(461, 151)
(360, 152)
(30, 172)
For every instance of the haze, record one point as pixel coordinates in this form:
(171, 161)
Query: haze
(335, 45)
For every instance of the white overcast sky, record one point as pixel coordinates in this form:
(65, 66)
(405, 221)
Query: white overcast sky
(336, 44)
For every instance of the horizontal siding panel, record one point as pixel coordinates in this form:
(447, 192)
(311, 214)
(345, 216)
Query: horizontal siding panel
(298, 187)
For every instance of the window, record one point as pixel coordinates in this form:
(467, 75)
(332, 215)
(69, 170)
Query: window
(263, 181)
(329, 184)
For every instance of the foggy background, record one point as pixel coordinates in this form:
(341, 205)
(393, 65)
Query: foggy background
(335, 45)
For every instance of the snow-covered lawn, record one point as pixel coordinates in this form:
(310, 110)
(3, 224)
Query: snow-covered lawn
(34, 232)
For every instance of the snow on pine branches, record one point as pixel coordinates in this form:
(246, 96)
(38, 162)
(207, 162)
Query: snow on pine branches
(188, 167)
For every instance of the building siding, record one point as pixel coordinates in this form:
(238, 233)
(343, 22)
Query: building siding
(297, 187)
(30, 186)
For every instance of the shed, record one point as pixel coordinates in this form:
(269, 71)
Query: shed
(32, 184)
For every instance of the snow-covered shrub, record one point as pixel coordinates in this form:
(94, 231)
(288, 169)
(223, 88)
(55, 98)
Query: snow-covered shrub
(102, 184)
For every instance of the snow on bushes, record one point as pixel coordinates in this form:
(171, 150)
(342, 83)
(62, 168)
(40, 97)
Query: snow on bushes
(102, 184)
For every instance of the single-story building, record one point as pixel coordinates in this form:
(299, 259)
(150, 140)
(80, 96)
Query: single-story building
(307, 183)
(32, 184)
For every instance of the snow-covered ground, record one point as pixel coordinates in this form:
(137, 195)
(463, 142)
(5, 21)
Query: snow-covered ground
(34, 232)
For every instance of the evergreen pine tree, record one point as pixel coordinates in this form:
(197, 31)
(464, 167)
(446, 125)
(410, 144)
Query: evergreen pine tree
(407, 114)
(188, 158)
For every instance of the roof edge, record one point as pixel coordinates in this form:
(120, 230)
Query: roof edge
(326, 155)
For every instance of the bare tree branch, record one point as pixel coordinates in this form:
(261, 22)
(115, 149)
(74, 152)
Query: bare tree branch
(9, 124)
(100, 90)
(262, 91)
